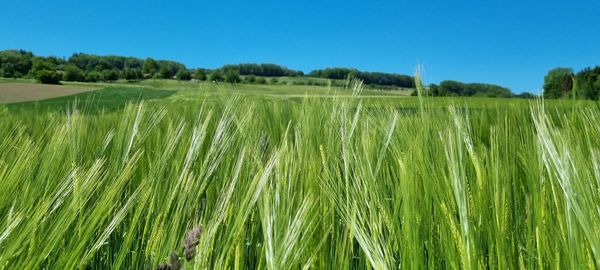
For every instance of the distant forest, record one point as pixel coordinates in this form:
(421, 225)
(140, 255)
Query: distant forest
(564, 83)
(558, 83)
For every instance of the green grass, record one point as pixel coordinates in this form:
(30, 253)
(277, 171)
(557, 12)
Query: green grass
(337, 179)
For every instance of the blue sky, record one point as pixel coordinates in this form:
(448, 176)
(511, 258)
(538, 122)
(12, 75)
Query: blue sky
(511, 43)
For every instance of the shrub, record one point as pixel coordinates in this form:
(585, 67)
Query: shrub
(183, 75)
(215, 76)
(47, 77)
(251, 79)
(72, 73)
(200, 74)
(261, 80)
(232, 76)
(92, 76)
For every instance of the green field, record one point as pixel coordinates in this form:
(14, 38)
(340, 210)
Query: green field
(297, 177)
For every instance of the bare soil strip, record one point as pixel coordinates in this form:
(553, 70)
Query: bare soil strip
(19, 92)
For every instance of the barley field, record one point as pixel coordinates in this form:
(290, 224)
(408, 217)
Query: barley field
(215, 177)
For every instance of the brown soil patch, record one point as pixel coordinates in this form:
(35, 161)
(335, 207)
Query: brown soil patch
(19, 92)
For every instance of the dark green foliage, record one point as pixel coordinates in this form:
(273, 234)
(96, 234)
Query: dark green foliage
(588, 83)
(7, 70)
(19, 63)
(250, 79)
(261, 80)
(183, 75)
(164, 73)
(369, 78)
(266, 70)
(15, 63)
(333, 73)
(72, 73)
(131, 74)
(110, 75)
(149, 68)
(47, 77)
(454, 88)
(232, 76)
(558, 83)
(526, 95)
(273, 81)
(200, 74)
(92, 76)
(215, 76)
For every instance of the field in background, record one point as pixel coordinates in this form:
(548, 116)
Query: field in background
(20, 92)
(289, 177)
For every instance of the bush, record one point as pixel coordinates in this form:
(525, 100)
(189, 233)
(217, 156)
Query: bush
(200, 74)
(215, 76)
(72, 74)
(110, 75)
(261, 80)
(273, 81)
(251, 79)
(183, 75)
(47, 77)
(92, 76)
(131, 74)
(232, 76)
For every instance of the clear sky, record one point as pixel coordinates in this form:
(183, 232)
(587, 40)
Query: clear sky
(511, 43)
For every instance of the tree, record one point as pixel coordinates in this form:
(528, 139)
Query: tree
(164, 73)
(250, 79)
(215, 76)
(72, 73)
(232, 76)
(586, 83)
(92, 76)
(110, 75)
(7, 70)
(131, 74)
(261, 80)
(47, 77)
(183, 75)
(149, 68)
(558, 83)
(200, 74)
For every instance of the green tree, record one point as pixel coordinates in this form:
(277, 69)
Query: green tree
(261, 80)
(92, 76)
(250, 79)
(164, 73)
(131, 74)
(47, 77)
(110, 75)
(149, 68)
(72, 73)
(7, 70)
(215, 76)
(232, 76)
(200, 74)
(183, 75)
(558, 83)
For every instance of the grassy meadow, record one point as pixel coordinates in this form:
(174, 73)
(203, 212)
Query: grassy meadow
(297, 177)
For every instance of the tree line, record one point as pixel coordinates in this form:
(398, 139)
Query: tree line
(86, 67)
(455, 88)
(564, 83)
(93, 68)
(371, 78)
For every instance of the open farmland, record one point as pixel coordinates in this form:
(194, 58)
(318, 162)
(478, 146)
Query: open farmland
(19, 92)
(288, 177)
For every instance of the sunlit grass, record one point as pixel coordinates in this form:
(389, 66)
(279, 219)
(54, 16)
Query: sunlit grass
(285, 183)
